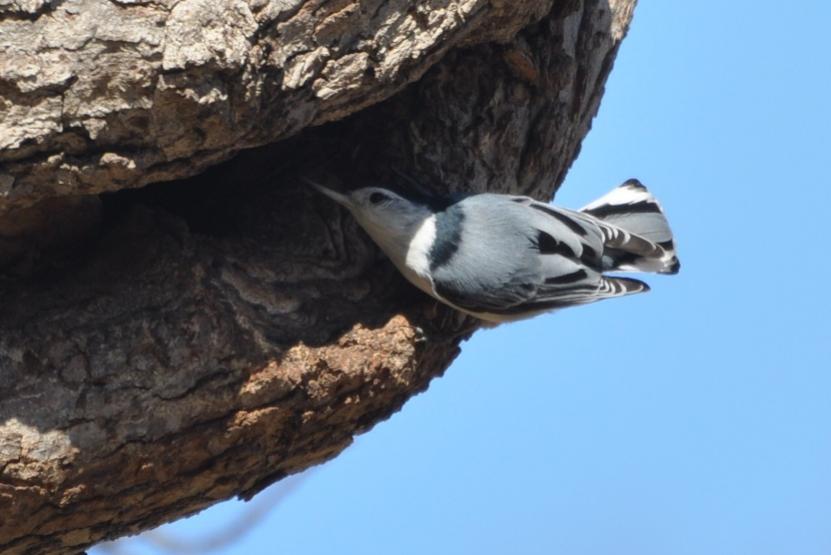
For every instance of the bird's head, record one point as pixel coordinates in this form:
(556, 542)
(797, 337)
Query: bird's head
(390, 218)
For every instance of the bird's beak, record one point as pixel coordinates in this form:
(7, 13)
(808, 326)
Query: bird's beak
(334, 195)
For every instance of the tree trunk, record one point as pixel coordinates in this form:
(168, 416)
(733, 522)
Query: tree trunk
(167, 347)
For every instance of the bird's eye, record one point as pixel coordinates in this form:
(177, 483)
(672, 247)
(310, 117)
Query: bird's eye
(377, 198)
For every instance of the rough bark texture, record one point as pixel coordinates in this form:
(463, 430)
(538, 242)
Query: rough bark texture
(168, 347)
(97, 95)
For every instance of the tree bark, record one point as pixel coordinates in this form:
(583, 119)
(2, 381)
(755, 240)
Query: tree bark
(167, 347)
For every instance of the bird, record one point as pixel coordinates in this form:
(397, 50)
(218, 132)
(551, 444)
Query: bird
(502, 257)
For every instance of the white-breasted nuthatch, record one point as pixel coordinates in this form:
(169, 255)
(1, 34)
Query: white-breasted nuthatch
(504, 257)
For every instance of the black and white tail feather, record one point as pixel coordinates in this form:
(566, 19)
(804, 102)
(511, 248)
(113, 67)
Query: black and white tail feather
(637, 234)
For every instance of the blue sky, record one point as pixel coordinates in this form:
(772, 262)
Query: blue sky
(695, 419)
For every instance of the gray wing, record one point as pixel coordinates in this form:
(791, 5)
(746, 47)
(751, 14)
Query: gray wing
(517, 255)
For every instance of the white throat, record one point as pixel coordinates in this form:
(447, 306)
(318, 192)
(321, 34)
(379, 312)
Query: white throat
(409, 250)
(417, 258)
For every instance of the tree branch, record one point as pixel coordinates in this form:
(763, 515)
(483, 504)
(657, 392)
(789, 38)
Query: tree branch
(209, 336)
